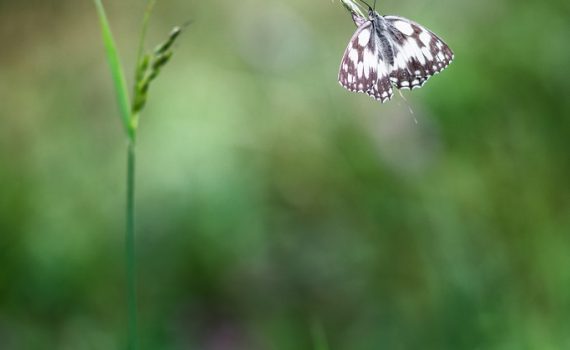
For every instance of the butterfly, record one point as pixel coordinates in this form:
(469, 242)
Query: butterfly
(390, 51)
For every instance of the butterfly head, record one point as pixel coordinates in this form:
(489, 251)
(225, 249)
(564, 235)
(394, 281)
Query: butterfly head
(372, 14)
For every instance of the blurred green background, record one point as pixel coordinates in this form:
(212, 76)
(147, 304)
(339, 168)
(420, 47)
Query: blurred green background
(275, 209)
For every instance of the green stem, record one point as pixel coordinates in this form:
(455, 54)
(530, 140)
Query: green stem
(130, 249)
(130, 233)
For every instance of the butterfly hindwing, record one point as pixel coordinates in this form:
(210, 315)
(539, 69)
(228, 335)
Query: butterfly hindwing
(419, 53)
(382, 90)
(359, 65)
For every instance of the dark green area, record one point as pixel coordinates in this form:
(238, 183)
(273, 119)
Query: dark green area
(274, 207)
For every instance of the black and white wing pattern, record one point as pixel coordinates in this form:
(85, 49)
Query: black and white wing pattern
(418, 53)
(361, 69)
(390, 51)
(358, 68)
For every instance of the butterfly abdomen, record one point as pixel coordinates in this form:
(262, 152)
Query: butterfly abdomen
(385, 48)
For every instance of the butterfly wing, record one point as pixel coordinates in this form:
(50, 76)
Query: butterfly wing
(359, 65)
(382, 89)
(419, 53)
(361, 68)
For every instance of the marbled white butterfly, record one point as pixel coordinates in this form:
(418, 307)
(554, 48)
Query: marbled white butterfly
(388, 51)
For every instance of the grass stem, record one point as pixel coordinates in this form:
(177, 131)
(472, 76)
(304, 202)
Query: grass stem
(130, 250)
(130, 113)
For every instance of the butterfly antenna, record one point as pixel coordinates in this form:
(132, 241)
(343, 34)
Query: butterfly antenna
(365, 3)
(374, 8)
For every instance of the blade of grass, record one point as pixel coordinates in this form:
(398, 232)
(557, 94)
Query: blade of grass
(117, 72)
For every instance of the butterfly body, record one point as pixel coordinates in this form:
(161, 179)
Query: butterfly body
(390, 51)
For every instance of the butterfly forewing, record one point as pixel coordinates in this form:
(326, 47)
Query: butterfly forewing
(359, 65)
(419, 53)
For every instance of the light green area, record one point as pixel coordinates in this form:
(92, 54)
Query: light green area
(116, 69)
(268, 196)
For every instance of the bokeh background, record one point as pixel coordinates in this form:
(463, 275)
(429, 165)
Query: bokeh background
(275, 210)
